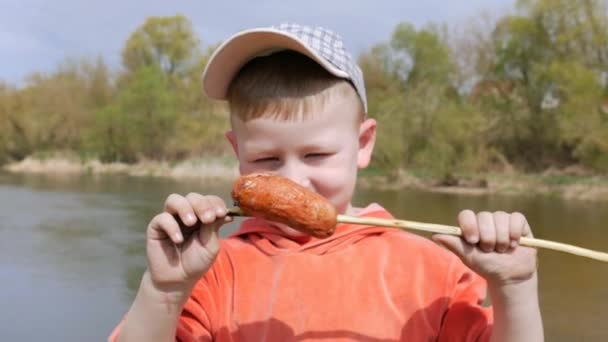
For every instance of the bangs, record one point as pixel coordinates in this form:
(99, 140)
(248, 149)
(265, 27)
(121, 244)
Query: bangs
(287, 108)
(284, 86)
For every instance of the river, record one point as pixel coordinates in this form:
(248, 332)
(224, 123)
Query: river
(72, 250)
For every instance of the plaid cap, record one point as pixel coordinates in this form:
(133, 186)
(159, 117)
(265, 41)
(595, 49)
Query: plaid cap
(320, 44)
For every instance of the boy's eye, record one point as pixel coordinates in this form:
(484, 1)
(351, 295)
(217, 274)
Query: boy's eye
(316, 155)
(266, 159)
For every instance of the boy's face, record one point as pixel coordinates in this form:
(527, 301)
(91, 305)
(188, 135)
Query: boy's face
(322, 152)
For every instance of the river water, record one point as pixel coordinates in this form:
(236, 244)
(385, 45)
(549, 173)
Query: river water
(72, 250)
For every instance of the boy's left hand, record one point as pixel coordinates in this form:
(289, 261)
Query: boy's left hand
(489, 246)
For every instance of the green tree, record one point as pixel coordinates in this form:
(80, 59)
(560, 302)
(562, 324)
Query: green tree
(536, 50)
(426, 58)
(166, 42)
(202, 122)
(169, 46)
(52, 111)
(423, 123)
(583, 121)
(138, 124)
(13, 141)
(385, 103)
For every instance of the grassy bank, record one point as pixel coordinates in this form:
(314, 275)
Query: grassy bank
(217, 167)
(571, 184)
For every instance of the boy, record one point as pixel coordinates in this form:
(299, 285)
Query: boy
(298, 109)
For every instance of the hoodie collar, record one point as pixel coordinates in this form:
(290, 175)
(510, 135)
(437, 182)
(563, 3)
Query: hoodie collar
(273, 241)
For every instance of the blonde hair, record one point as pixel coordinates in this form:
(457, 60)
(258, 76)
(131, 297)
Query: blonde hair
(285, 86)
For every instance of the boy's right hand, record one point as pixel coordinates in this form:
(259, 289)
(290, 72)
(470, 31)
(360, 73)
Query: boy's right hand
(182, 241)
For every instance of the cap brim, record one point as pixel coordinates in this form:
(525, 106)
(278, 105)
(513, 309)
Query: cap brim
(239, 49)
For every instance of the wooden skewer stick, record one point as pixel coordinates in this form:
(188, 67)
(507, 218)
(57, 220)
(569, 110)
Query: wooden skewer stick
(452, 230)
(456, 231)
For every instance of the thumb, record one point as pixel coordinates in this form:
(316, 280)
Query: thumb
(455, 244)
(220, 222)
(208, 235)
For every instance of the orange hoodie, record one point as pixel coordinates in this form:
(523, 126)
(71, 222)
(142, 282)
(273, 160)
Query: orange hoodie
(361, 284)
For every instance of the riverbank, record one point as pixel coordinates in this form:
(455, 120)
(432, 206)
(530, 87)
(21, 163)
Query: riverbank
(569, 184)
(217, 168)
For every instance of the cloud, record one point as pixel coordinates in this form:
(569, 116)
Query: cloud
(36, 35)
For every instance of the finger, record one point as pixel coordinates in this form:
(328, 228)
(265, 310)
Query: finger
(199, 205)
(468, 223)
(202, 207)
(454, 244)
(219, 205)
(220, 211)
(208, 237)
(502, 225)
(517, 223)
(527, 232)
(164, 225)
(177, 204)
(487, 231)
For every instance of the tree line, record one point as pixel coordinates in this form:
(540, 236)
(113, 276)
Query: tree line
(526, 91)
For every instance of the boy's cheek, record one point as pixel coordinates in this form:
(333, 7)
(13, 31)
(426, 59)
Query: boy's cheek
(337, 183)
(247, 167)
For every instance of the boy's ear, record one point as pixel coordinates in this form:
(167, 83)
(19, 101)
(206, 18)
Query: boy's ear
(232, 139)
(367, 139)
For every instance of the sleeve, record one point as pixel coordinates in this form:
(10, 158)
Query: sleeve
(466, 318)
(208, 303)
(197, 318)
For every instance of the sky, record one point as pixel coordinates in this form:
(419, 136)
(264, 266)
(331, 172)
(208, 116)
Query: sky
(37, 35)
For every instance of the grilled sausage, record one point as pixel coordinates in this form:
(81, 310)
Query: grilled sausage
(279, 199)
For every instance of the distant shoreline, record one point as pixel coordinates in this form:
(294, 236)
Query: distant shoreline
(192, 168)
(557, 184)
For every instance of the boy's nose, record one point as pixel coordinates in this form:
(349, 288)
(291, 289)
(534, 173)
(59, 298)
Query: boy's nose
(295, 173)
